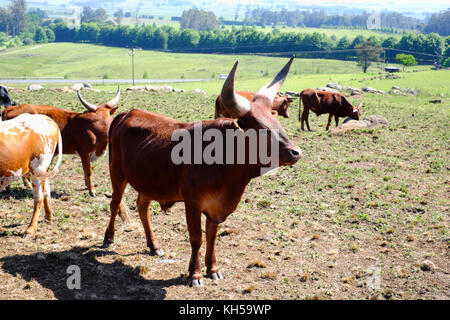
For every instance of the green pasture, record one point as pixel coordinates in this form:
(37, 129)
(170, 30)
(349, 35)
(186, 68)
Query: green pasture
(85, 61)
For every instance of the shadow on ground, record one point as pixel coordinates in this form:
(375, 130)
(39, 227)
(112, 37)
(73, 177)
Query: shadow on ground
(98, 280)
(19, 193)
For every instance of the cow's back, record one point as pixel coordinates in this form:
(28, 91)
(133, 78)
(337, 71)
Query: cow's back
(140, 145)
(61, 117)
(27, 144)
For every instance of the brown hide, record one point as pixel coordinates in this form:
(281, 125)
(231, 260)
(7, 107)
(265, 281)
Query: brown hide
(140, 149)
(280, 105)
(320, 102)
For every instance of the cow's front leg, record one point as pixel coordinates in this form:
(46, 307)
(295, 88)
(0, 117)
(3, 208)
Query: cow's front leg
(193, 218)
(85, 160)
(38, 196)
(336, 119)
(212, 269)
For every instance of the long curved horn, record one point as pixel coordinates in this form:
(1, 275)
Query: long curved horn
(235, 104)
(87, 105)
(271, 89)
(114, 101)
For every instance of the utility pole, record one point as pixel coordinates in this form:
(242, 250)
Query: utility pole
(132, 53)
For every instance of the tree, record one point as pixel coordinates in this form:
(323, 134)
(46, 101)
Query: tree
(367, 53)
(50, 35)
(406, 60)
(198, 20)
(119, 16)
(446, 63)
(91, 15)
(440, 23)
(433, 44)
(17, 16)
(40, 36)
(3, 38)
(88, 32)
(4, 20)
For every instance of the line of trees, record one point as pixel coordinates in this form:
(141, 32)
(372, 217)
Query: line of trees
(243, 40)
(390, 21)
(319, 18)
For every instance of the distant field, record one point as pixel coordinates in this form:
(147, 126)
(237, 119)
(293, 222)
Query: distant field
(84, 61)
(76, 61)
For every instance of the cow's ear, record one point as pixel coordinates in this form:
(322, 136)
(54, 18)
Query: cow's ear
(274, 112)
(111, 111)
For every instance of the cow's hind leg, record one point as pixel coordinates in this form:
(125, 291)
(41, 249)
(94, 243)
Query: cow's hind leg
(193, 218)
(47, 197)
(116, 205)
(85, 160)
(38, 196)
(143, 204)
(27, 183)
(336, 119)
(212, 269)
(305, 116)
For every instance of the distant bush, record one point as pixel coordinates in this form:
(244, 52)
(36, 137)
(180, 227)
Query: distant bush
(27, 42)
(446, 63)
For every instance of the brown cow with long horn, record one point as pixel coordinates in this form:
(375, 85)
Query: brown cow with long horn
(154, 154)
(85, 134)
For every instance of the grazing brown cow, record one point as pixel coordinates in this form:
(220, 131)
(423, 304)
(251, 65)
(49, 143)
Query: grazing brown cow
(142, 153)
(321, 102)
(27, 146)
(280, 104)
(85, 134)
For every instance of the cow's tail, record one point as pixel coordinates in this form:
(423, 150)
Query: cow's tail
(60, 153)
(51, 174)
(300, 106)
(114, 123)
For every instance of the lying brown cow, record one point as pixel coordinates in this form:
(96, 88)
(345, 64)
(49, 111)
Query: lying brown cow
(321, 102)
(27, 146)
(280, 104)
(85, 134)
(142, 153)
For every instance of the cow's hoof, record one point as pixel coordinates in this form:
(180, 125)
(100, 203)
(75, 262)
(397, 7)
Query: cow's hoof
(216, 275)
(28, 235)
(195, 282)
(157, 253)
(106, 244)
(92, 194)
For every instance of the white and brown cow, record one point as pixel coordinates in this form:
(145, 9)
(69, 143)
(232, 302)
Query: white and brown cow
(27, 145)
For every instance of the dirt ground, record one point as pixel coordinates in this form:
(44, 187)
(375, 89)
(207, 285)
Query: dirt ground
(362, 216)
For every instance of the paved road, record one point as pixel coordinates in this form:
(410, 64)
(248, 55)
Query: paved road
(98, 81)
